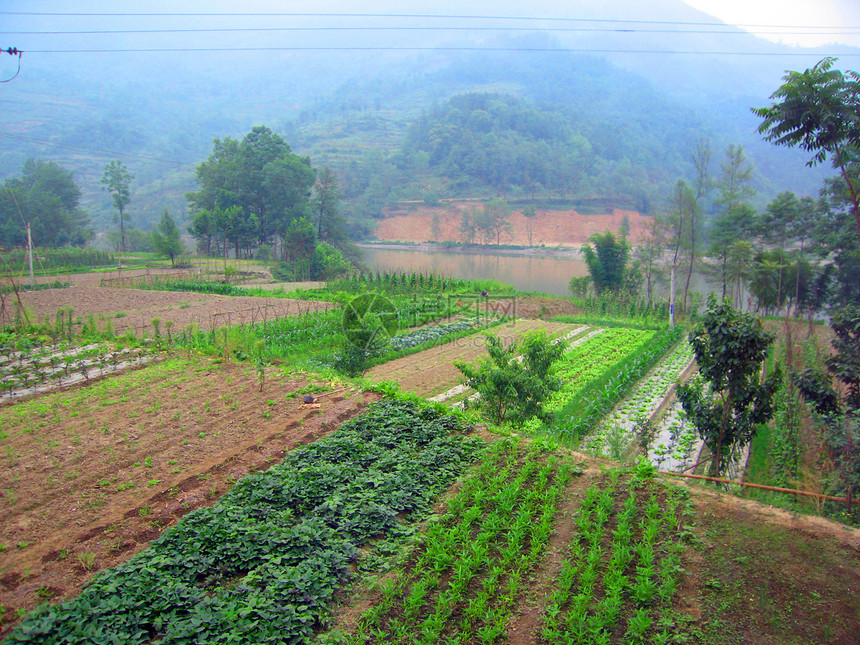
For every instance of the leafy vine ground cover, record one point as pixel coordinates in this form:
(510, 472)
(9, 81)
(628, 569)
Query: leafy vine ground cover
(263, 563)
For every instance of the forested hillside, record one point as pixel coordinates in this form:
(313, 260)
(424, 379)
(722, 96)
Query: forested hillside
(510, 115)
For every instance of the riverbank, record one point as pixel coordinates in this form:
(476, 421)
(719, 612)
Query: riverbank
(561, 252)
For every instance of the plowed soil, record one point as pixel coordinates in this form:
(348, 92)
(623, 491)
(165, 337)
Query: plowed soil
(134, 309)
(432, 371)
(89, 477)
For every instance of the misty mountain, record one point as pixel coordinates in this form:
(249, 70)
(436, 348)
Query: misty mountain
(356, 109)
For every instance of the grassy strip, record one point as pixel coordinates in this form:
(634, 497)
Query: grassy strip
(635, 322)
(261, 566)
(463, 583)
(620, 577)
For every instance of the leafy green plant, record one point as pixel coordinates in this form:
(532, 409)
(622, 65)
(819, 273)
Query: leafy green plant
(512, 389)
(263, 564)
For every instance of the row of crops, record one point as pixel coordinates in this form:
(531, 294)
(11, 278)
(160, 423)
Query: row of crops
(262, 565)
(630, 420)
(48, 259)
(475, 559)
(29, 366)
(596, 374)
(621, 570)
(613, 580)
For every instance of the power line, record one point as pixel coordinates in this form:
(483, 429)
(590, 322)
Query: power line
(403, 15)
(558, 50)
(843, 31)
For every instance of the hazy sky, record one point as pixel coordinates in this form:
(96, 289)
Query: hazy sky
(805, 16)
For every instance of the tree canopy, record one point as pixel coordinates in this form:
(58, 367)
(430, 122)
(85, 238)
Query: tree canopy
(730, 348)
(606, 258)
(165, 238)
(259, 175)
(819, 110)
(117, 181)
(47, 197)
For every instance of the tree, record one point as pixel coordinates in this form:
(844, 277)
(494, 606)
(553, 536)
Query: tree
(647, 253)
(47, 197)
(165, 238)
(325, 204)
(467, 226)
(838, 411)
(701, 158)
(788, 219)
(736, 216)
(300, 241)
(258, 174)
(204, 227)
(606, 259)
(514, 390)
(819, 110)
(836, 237)
(730, 348)
(530, 213)
(116, 181)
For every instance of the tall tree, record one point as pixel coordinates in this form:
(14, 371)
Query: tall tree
(261, 176)
(676, 230)
(117, 181)
(736, 218)
(325, 203)
(819, 110)
(701, 158)
(165, 238)
(47, 197)
(730, 348)
(606, 259)
(530, 213)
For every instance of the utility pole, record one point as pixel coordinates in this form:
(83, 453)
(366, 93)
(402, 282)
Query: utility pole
(672, 297)
(30, 254)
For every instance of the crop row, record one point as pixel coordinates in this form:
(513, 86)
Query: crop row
(27, 368)
(633, 356)
(587, 361)
(429, 334)
(676, 443)
(475, 559)
(621, 572)
(614, 434)
(262, 565)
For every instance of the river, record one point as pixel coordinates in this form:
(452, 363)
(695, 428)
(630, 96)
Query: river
(545, 274)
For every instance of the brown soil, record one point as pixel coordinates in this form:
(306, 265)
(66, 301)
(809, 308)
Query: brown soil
(551, 227)
(762, 576)
(89, 477)
(432, 371)
(134, 309)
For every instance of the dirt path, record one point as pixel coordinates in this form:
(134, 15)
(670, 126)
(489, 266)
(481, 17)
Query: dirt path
(89, 477)
(432, 371)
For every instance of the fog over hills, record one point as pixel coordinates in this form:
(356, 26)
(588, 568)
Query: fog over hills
(154, 90)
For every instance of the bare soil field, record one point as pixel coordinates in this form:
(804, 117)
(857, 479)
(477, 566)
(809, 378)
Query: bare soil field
(432, 371)
(550, 227)
(134, 309)
(91, 475)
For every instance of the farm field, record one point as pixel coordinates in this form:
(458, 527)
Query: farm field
(216, 501)
(134, 309)
(432, 371)
(91, 475)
